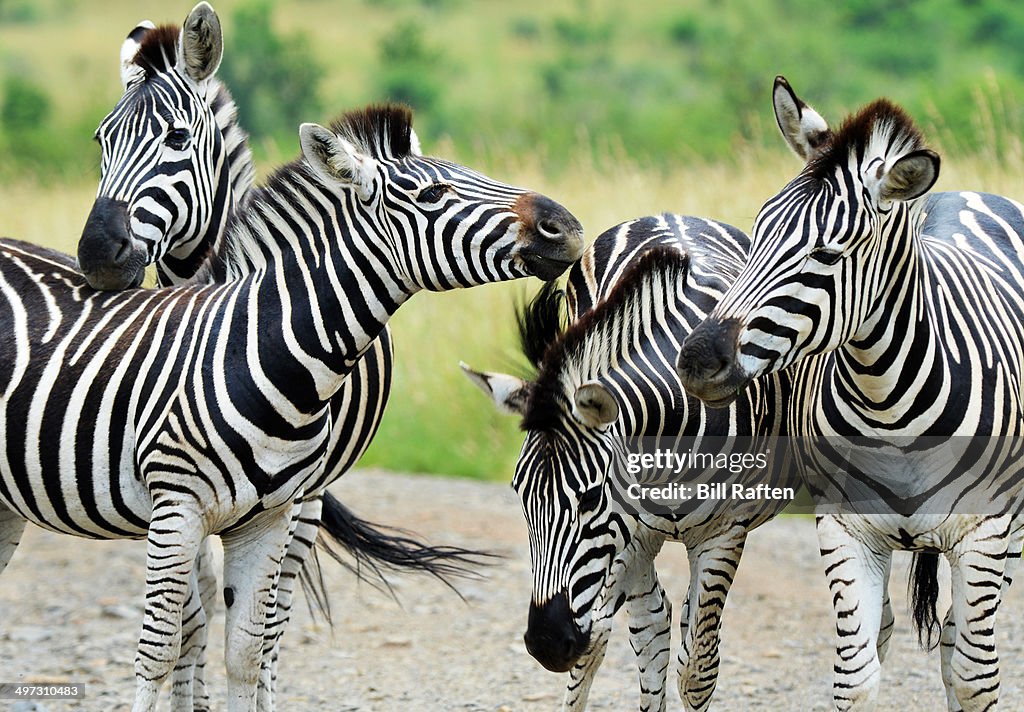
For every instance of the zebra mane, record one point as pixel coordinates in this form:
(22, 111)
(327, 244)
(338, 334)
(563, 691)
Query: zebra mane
(881, 124)
(596, 338)
(382, 131)
(158, 50)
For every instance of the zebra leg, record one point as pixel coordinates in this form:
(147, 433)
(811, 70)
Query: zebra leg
(888, 619)
(977, 565)
(252, 564)
(650, 634)
(193, 642)
(303, 538)
(713, 566)
(172, 545)
(188, 682)
(856, 580)
(11, 527)
(582, 675)
(947, 641)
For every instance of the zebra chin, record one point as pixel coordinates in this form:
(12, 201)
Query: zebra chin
(114, 280)
(552, 636)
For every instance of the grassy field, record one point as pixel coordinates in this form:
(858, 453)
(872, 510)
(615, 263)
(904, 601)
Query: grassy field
(437, 422)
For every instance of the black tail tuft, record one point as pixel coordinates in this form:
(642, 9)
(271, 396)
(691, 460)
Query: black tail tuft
(924, 595)
(371, 551)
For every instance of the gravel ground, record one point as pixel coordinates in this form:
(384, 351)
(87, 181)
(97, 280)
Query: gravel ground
(70, 611)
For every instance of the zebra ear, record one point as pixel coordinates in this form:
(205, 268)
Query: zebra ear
(508, 392)
(335, 160)
(130, 71)
(805, 131)
(909, 177)
(200, 44)
(594, 405)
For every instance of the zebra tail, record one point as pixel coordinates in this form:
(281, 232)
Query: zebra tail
(924, 595)
(372, 551)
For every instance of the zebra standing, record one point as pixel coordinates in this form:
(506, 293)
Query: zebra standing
(175, 164)
(201, 409)
(905, 314)
(606, 380)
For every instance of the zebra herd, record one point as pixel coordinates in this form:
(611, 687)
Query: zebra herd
(228, 399)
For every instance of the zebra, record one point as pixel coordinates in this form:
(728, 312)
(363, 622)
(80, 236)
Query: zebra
(606, 379)
(169, 208)
(903, 313)
(204, 408)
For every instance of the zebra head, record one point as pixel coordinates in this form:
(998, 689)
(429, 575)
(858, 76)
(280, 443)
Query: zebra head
(444, 224)
(561, 477)
(166, 187)
(822, 248)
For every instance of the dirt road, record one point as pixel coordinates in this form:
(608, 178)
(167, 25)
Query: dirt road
(70, 610)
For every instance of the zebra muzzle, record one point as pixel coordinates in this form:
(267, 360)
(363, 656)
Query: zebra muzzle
(107, 254)
(552, 637)
(707, 362)
(551, 238)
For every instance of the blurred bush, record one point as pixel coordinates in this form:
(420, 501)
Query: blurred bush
(274, 77)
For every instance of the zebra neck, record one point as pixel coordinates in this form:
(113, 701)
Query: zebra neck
(322, 271)
(887, 368)
(234, 186)
(241, 170)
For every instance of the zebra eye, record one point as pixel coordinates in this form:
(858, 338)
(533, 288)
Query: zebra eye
(177, 138)
(590, 499)
(825, 256)
(433, 193)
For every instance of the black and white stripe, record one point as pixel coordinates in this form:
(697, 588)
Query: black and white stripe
(904, 316)
(605, 381)
(204, 408)
(171, 207)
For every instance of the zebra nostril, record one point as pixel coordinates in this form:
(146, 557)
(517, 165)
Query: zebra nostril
(124, 251)
(549, 229)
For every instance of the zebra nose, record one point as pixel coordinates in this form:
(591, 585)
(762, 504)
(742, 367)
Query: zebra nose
(106, 252)
(557, 225)
(551, 238)
(552, 637)
(707, 359)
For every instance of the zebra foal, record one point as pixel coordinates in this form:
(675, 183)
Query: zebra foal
(204, 408)
(604, 382)
(904, 315)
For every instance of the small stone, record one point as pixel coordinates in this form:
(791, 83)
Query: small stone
(119, 611)
(30, 634)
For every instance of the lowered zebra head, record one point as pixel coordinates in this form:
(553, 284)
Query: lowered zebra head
(575, 440)
(445, 225)
(821, 248)
(173, 159)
